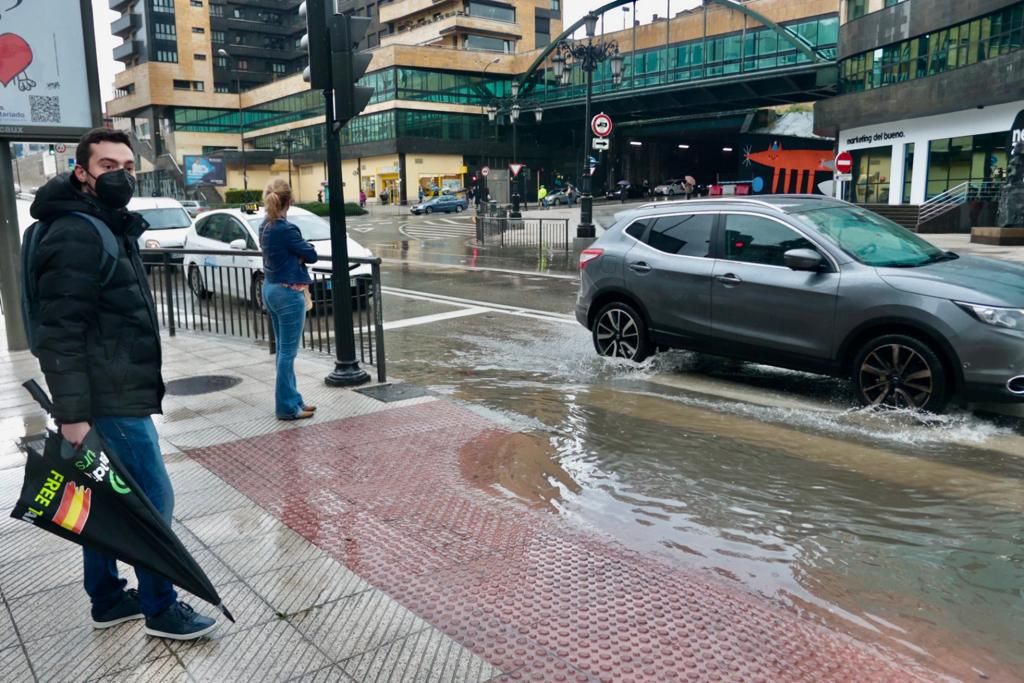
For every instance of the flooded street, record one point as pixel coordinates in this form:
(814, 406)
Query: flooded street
(880, 524)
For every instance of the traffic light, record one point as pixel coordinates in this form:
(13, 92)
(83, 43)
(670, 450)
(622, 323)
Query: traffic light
(348, 66)
(317, 42)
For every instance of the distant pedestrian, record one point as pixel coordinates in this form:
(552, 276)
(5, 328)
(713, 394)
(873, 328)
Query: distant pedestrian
(98, 346)
(542, 194)
(384, 197)
(421, 194)
(362, 199)
(285, 294)
(320, 196)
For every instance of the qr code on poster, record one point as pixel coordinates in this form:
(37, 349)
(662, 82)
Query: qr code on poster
(45, 108)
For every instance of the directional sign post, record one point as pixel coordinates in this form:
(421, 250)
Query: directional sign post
(600, 143)
(601, 125)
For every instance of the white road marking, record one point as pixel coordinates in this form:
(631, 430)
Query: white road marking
(520, 311)
(436, 317)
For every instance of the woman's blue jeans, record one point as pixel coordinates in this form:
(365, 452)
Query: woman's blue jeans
(287, 308)
(134, 440)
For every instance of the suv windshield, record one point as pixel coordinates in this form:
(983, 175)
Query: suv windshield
(166, 219)
(313, 228)
(872, 239)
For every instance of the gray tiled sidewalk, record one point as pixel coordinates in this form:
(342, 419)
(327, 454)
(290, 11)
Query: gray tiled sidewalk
(302, 615)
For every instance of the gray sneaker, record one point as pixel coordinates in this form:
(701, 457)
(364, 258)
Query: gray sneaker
(179, 622)
(126, 609)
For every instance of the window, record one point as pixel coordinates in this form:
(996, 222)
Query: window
(221, 88)
(752, 239)
(198, 29)
(237, 13)
(199, 57)
(279, 68)
(167, 56)
(216, 10)
(243, 64)
(198, 86)
(233, 230)
(637, 229)
(182, 85)
(221, 62)
(489, 11)
(196, 3)
(474, 42)
(542, 31)
(165, 31)
(683, 235)
(218, 36)
(163, 6)
(556, 5)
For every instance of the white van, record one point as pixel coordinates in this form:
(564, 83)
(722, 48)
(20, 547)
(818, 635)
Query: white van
(168, 225)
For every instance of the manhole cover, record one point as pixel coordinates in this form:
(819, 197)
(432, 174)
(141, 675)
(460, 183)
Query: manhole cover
(201, 384)
(389, 393)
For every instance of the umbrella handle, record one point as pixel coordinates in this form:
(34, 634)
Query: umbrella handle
(39, 395)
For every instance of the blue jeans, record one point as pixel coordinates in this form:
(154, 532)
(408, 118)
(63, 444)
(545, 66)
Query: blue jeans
(287, 309)
(134, 440)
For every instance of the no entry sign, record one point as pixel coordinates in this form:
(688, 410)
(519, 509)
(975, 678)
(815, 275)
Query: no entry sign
(485, 170)
(601, 125)
(844, 163)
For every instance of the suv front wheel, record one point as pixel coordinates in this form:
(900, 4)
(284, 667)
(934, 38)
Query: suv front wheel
(899, 371)
(619, 331)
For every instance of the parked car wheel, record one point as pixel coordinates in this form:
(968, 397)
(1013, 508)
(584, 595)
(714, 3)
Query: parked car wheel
(619, 331)
(458, 208)
(428, 211)
(899, 371)
(256, 292)
(197, 284)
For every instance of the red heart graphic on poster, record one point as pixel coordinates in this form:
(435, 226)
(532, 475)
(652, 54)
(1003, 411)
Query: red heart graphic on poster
(15, 56)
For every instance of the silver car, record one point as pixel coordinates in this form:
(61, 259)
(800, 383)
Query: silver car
(813, 284)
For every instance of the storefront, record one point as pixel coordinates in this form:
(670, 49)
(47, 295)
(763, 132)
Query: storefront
(907, 162)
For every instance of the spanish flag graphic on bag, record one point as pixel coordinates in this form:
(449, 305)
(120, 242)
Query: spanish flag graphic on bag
(74, 508)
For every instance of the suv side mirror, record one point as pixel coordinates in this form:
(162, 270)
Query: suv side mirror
(803, 259)
(238, 244)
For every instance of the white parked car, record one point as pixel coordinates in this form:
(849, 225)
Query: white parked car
(230, 231)
(168, 225)
(669, 188)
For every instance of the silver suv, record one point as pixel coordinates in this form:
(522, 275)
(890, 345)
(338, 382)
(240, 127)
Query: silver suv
(809, 283)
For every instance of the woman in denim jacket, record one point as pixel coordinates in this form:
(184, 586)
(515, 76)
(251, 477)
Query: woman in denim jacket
(285, 287)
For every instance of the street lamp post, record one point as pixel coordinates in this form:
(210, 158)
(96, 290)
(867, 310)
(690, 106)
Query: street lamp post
(288, 141)
(241, 126)
(512, 108)
(588, 56)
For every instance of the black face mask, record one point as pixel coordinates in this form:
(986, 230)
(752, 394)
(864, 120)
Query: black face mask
(115, 188)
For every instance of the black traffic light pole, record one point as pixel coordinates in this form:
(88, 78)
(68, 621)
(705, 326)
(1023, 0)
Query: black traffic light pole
(331, 39)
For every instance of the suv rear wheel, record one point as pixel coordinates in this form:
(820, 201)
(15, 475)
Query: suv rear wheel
(619, 331)
(899, 371)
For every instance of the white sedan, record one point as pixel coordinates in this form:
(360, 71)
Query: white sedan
(669, 188)
(233, 230)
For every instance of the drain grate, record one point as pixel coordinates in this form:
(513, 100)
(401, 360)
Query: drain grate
(201, 384)
(389, 393)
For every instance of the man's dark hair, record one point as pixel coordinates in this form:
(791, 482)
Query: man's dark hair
(83, 154)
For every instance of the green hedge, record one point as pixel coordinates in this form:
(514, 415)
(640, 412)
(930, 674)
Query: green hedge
(243, 196)
(322, 209)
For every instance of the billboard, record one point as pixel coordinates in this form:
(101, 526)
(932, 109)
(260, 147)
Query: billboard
(200, 170)
(48, 74)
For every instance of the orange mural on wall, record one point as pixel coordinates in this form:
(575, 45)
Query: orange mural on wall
(794, 162)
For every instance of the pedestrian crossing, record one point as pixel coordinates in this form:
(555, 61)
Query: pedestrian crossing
(439, 229)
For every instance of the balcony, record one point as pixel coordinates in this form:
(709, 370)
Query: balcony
(126, 50)
(397, 10)
(126, 25)
(456, 22)
(282, 28)
(118, 5)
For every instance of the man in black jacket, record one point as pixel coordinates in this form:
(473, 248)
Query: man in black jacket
(99, 348)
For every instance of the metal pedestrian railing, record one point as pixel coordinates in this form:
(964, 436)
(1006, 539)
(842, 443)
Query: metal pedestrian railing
(956, 196)
(207, 291)
(549, 233)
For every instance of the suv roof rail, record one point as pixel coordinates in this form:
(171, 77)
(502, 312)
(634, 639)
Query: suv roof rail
(706, 200)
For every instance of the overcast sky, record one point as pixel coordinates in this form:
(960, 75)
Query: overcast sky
(572, 9)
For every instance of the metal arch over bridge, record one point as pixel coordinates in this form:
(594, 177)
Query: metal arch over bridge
(528, 79)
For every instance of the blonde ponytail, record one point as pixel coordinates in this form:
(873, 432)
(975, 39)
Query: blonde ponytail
(277, 197)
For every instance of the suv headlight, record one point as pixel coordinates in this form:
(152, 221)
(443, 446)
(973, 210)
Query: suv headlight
(152, 244)
(1010, 318)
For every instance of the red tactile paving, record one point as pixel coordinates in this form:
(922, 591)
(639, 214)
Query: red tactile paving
(536, 598)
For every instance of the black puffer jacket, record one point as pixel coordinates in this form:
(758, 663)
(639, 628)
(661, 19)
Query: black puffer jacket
(99, 347)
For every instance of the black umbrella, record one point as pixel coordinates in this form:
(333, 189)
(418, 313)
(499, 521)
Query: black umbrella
(87, 496)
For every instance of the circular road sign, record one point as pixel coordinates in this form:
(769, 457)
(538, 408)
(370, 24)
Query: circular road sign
(60, 148)
(485, 170)
(844, 162)
(601, 125)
